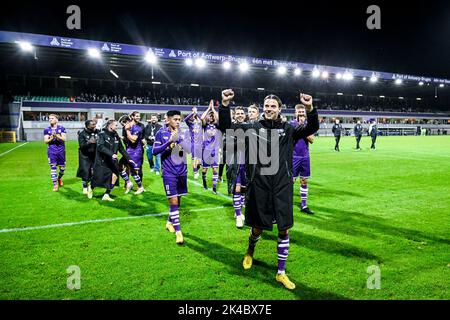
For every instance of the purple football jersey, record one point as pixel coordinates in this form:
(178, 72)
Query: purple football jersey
(135, 150)
(301, 148)
(136, 130)
(55, 145)
(211, 136)
(195, 130)
(173, 162)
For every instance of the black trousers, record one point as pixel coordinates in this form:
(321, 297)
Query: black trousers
(338, 138)
(358, 139)
(221, 167)
(374, 139)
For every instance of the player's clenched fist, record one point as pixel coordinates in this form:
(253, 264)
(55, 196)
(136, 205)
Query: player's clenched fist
(307, 101)
(227, 96)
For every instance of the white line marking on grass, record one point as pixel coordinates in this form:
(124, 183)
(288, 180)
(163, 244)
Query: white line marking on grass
(218, 193)
(1, 155)
(68, 224)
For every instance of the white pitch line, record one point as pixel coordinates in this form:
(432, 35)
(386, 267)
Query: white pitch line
(68, 224)
(1, 155)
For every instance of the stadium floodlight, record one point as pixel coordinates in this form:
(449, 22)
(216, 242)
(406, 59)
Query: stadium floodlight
(281, 70)
(382, 97)
(195, 85)
(339, 76)
(200, 63)
(441, 85)
(340, 94)
(243, 66)
(297, 71)
(65, 77)
(315, 73)
(226, 65)
(189, 62)
(421, 83)
(114, 74)
(401, 98)
(94, 53)
(156, 82)
(418, 99)
(325, 74)
(25, 46)
(151, 58)
(260, 89)
(373, 79)
(364, 78)
(347, 76)
(359, 95)
(398, 81)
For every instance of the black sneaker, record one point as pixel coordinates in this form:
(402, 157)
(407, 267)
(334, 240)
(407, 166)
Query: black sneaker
(306, 210)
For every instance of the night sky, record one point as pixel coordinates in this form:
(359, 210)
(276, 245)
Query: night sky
(414, 38)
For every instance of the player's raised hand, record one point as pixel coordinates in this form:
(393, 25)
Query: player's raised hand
(211, 104)
(307, 101)
(194, 110)
(227, 96)
(174, 136)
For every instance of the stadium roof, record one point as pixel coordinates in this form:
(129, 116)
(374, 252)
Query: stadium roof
(341, 73)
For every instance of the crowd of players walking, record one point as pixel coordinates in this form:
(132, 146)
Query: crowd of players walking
(267, 198)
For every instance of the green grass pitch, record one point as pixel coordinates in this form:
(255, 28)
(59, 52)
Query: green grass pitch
(389, 208)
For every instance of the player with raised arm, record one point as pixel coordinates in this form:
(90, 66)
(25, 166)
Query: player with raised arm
(172, 145)
(194, 124)
(211, 143)
(236, 171)
(301, 164)
(55, 138)
(270, 190)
